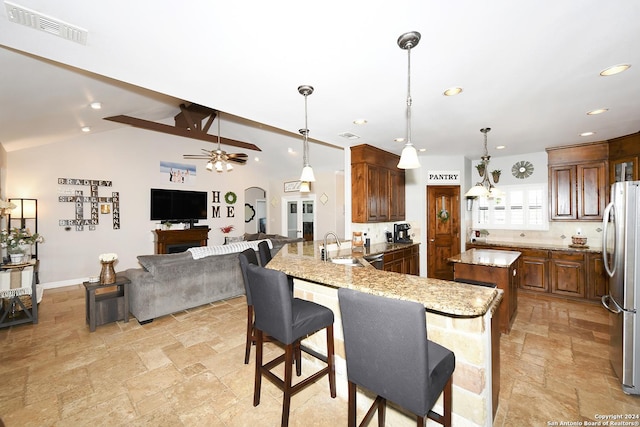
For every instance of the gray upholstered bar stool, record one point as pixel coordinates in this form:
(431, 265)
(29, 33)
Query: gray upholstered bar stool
(388, 353)
(248, 256)
(265, 253)
(287, 320)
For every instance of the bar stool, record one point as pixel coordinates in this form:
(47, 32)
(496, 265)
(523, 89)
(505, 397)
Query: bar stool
(388, 353)
(248, 256)
(265, 253)
(287, 320)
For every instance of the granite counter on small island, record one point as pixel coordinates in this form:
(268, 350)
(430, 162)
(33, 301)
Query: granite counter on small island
(459, 316)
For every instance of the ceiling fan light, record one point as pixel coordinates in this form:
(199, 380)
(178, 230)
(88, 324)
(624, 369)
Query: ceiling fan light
(229, 167)
(209, 165)
(218, 166)
(305, 187)
(409, 158)
(307, 174)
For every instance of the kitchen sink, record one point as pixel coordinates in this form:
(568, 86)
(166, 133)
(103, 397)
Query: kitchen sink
(346, 260)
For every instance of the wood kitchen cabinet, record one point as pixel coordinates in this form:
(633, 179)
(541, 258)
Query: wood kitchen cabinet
(534, 270)
(578, 181)
(624, 153)
(597, 278)
(377, 186)
(567, 271)
(405, 260)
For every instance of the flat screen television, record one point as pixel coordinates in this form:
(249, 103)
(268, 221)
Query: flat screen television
(178, 205)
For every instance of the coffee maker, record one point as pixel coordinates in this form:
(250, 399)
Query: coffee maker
(401, 233)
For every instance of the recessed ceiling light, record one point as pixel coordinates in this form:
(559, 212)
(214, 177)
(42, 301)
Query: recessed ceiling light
(587, 133)
(349, 135)
(290, 150)
(398, 139)
(360, 121)
(500, 147)
(597, 111)
(615, 69)
(85, 129)
(257, 159)
(452, 91)
(96, 105)
(422, 150)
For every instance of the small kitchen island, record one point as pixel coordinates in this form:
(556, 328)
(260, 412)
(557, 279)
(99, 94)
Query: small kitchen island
(459, 317)
(492, 267)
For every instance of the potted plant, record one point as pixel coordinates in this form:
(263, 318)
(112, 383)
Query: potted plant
(495, 174)
(18, 242)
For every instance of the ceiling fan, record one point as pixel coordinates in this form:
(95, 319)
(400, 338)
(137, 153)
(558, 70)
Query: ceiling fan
(218, 159)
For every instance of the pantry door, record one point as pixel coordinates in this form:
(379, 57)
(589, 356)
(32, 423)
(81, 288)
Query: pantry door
(443, 229)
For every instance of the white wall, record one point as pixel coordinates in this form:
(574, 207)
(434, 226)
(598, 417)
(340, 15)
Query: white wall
(130, 158)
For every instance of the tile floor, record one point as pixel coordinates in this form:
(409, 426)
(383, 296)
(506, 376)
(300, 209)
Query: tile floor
(186, 369)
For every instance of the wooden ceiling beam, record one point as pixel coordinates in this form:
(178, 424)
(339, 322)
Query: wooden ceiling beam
(178, 131)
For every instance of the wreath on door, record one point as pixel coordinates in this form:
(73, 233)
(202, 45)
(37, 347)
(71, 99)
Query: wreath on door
(443, 214)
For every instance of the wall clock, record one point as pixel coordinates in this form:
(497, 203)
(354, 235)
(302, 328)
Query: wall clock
(522, 169)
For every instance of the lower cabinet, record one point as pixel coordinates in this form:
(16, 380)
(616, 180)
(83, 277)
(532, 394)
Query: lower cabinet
(406, 260)
(534, 270)
(574, 274)
(568, 273)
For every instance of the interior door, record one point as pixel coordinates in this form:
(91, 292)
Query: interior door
(300, 218)
(443, 230)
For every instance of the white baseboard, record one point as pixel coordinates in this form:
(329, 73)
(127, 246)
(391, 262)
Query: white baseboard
(63, 283)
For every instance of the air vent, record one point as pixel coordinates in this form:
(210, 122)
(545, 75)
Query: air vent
(349, 135)
(31, 18)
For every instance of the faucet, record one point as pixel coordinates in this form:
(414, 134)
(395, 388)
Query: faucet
(325, 257)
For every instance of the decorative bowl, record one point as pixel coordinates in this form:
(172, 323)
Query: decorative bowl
(579, 240)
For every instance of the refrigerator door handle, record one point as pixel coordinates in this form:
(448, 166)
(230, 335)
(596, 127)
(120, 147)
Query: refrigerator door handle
(606, 303)
(605, 256)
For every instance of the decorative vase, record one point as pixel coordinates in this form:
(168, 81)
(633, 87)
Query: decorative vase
(108, 273)
(16, 258)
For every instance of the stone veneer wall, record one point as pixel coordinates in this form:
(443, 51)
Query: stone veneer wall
(469, 339)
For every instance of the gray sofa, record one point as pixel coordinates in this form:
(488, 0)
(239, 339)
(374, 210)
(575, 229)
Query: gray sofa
(170, 283)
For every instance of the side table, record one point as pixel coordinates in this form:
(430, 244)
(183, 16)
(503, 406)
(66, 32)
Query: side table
(109, 306)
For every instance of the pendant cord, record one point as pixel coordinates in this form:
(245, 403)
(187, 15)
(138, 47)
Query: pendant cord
(409, 101)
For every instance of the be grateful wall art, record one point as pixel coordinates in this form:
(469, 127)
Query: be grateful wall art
(79, 199)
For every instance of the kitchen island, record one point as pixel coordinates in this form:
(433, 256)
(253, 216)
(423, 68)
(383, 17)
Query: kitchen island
(459, 316)
(491, 267)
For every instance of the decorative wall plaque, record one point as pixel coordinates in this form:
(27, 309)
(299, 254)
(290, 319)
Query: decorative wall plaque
(94, 200)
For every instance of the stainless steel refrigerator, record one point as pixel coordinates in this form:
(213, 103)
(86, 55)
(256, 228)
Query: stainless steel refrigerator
(621, 253)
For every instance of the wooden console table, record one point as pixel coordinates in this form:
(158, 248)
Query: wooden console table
(166, 239)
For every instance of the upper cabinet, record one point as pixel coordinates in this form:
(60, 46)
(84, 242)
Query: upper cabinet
(578, 181)
(377, 186)
(623, 158)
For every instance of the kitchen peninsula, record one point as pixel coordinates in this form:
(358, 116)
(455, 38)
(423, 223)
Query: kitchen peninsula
(460, 317)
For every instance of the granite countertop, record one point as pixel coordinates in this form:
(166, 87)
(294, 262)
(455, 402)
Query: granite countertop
(533, 245)
(302, 260)
(488, 257)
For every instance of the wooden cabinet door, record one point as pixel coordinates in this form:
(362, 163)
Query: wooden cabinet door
(592, 191)
(562, 192)
(396, 195)
(568, 274)
(394, 261)
(412, 260)
(534, 274)
(359, 193)
(597, 278)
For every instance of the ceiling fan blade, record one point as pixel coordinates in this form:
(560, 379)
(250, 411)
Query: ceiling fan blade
(195, 156)
(237, 155)
(238, 161)
(171, 130)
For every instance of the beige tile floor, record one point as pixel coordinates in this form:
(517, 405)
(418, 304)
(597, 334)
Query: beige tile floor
(186, 369)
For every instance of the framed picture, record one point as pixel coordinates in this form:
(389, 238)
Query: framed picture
(624, 169)
(291, 186)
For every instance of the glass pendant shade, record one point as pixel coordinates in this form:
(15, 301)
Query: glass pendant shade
(477, 190)
(305, 187)
(307, 174)
(409, 158)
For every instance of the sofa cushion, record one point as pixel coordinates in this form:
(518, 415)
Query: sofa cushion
(152, 262)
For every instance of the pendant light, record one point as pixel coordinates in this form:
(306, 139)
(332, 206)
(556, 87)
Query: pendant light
(409, 156)
(484, 188)
(307, 171)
